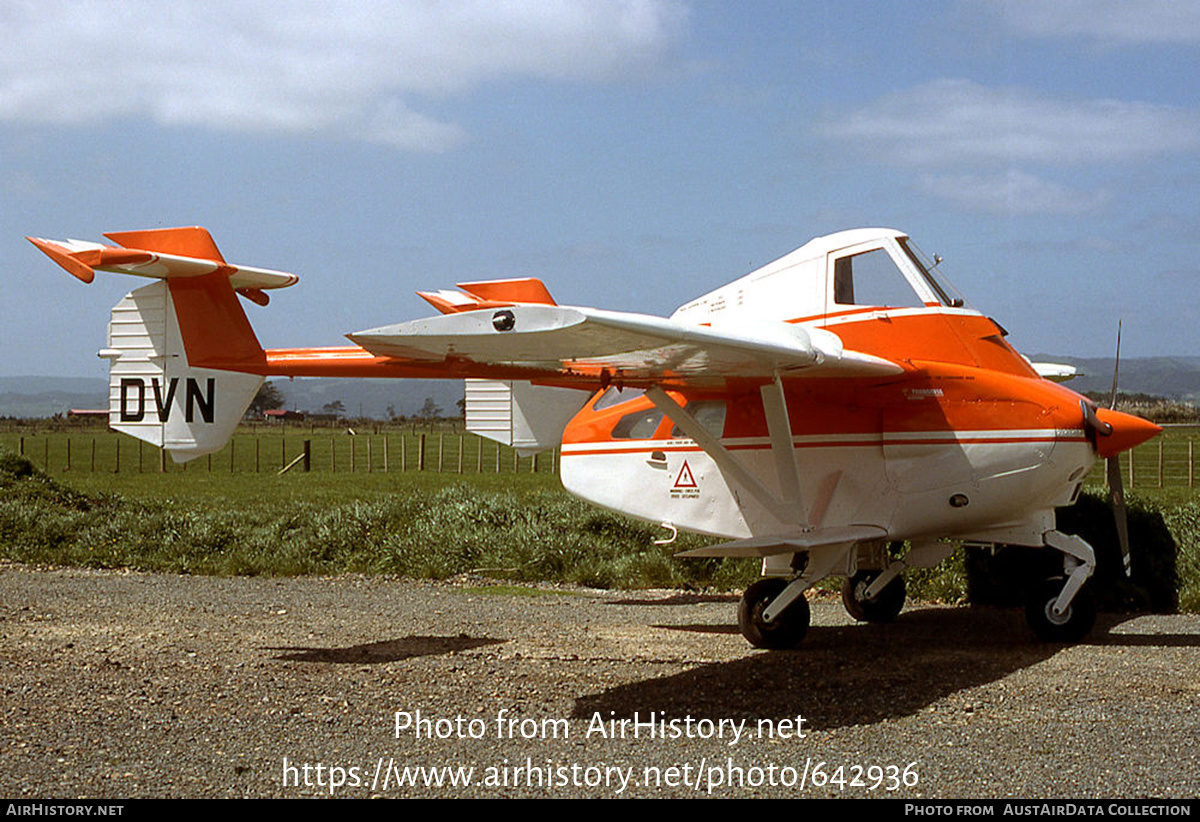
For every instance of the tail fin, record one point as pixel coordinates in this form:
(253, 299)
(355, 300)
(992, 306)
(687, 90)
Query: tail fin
(184, 362)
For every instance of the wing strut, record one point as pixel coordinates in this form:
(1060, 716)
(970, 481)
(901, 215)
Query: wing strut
(786, 467)
(790, 509)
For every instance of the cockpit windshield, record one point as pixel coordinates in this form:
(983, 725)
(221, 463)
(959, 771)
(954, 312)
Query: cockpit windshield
(945, 290)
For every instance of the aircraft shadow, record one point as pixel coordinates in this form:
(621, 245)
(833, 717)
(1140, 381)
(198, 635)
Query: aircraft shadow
(848, 675)
(392, 650)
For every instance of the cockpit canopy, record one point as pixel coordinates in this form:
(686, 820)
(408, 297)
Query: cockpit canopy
(876, 268)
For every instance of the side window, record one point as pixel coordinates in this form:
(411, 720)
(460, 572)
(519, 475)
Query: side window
(639, 425)
(872, 278)
(709, 413)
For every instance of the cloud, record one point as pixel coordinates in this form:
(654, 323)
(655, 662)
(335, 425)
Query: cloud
(350, 69)
(1118, 22)
(1012, 192)
(959, 122)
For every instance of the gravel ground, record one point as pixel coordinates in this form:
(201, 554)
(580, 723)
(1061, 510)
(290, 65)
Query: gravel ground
(121, 685)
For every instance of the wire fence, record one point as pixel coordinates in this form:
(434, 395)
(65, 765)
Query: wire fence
(1168, 461)
(439, 451)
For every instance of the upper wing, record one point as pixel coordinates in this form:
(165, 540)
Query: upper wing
(1056, 372)
(568, 340)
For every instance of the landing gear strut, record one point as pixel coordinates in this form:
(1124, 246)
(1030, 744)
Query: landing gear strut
(786, 630)
(1060, 609)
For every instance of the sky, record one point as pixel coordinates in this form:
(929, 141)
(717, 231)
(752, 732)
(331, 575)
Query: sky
(633, 154)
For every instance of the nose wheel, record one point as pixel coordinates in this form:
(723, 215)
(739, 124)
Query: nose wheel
(786, 630)
(1071, 624)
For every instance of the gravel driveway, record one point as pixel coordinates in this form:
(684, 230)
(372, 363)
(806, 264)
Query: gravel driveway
(127, 685)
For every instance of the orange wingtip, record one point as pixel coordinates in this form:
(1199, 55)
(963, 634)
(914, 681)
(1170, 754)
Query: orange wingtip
(190, 241)
(65, 259)
(519, 290)
(464, 302)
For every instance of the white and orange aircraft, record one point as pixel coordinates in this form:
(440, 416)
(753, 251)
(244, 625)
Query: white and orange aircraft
(814, 413)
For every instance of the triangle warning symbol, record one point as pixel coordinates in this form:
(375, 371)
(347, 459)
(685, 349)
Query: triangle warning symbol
(685, 478)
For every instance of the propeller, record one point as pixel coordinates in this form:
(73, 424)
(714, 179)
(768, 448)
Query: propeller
(1116, 484)
(1112, 469)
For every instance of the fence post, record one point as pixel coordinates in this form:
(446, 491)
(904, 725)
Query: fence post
(46, 455)
(307, 456)
(403, 452)
(460, 447)
(117, 467)
(21, 447)
(421, 454)
(1160, 463)
(1189, 463)
(441, 449)
(93, 469)
(385, 453)
(333, 454)
(370, 461)
(68, 468)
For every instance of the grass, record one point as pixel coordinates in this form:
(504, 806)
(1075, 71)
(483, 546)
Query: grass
(518, 527)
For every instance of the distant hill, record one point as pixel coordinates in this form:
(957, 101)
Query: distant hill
(371, 398)
(1174, 377)
(28, 397)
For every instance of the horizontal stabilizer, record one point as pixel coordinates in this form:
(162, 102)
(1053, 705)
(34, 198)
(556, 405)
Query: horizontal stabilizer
(770, 545)
(160, 254)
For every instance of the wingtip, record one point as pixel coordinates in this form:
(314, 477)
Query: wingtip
(69, 263)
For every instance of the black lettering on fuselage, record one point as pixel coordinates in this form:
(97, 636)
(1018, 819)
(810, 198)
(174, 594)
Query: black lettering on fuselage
(133, 399)
(126, 414)
(205, 403)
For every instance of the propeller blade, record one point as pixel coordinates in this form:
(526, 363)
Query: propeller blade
(1116, 494)
(1112, 400)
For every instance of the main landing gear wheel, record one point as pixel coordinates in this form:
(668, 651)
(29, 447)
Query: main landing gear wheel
(1070, 626)
(885, 607)
(786, 630)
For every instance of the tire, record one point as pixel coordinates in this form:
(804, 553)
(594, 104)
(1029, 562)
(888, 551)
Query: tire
(788, 629)
(1071, 626)
(883, 608)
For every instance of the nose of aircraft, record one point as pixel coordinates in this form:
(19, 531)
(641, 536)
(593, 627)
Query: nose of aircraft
(1128, 431)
